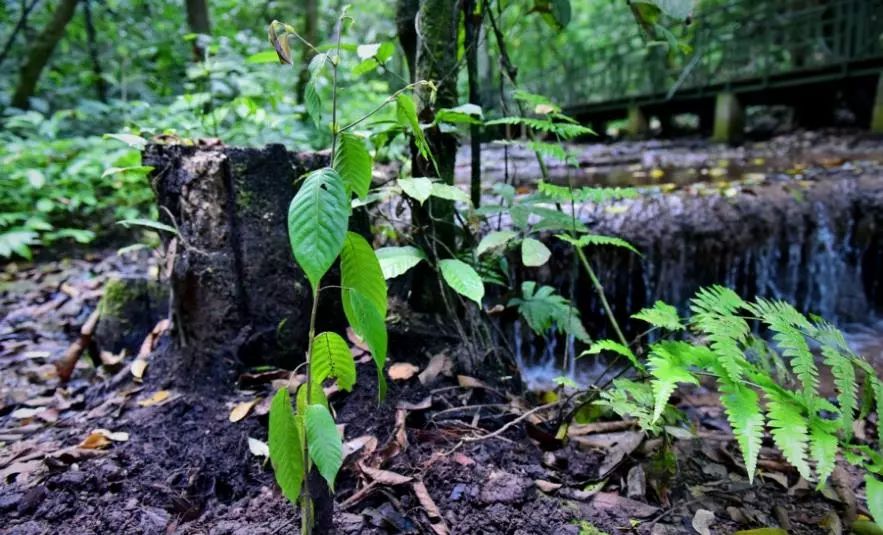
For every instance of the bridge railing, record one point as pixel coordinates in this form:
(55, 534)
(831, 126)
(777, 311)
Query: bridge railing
(733, 43)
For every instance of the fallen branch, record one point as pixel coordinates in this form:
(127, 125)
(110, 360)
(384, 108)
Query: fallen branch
(65, 366)
(514, 422)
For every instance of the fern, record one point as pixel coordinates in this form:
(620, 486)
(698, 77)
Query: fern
(563, 131)
(838, 357)
(661, 315)
(668, 366)
(713, 310)
(743, 412)
(597, 239)
(542, 308)
(596, 195)
(614, 347)
(789, 429)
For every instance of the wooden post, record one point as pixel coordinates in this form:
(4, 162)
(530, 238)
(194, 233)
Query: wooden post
(729, 120)
(637, 125)
(877, 117)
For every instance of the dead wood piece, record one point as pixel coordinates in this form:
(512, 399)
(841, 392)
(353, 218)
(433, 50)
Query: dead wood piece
(65, 366)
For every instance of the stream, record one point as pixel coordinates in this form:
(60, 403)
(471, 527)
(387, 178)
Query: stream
(798, 217)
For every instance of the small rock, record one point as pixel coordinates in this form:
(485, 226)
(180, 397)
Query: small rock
(457, 492)
(503, 487)
(32, 499)
(8, 502)
(702, 521)
(153, 520)
(715, 470)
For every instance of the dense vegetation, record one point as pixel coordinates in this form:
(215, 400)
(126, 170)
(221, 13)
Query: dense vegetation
(350, 83)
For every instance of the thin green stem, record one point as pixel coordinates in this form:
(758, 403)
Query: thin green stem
(306, 499)
(389, 100)
(600, 289)
(335, 65)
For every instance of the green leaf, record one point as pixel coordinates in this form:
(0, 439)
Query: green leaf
(462, 278)
(406, 113)
(449, 192)
(131, 140)
(597, 239)
(17, 241)
(317, 220)
(465, 114)
(332, 358)
(676, 9)
(395, 261)
(419, 188)
(542, 308)
(661, 315)
(148, 223)
(823, 448)
(492, 240)
(360, 272)
(265, 56)
(534, 253)
(286, 446)
(743, 412)
(312, 100)
(788, 427)
(668, 366)
(323, 441)
(354, 164)
(371, 327)
(874, 492)
(609, 345)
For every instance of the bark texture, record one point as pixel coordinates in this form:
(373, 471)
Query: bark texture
(237, 292)
(41, 53)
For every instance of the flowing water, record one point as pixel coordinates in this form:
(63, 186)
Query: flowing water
(798, 218)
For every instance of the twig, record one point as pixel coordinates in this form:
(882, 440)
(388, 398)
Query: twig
(512, 423)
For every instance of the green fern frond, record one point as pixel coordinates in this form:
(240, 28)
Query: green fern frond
(823, 447)
(597, 239)
(786, 323)
(717, 300)
(742, 406)
(542, 308)
(564, 130)
(596, 195)
(609, 345)
(631, 399)
(668, 365)
(661, 315)
(789, 430)
(838, 358)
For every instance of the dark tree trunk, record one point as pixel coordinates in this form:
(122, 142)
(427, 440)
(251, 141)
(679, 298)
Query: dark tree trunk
(100, 85)
(41, 53)
(311, 34)
(199, 21)
(406, 15)
(472, 23)
(436, 61)
(19, 26)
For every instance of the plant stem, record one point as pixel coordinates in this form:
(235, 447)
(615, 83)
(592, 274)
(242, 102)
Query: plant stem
(335, 64)
(600, 289)
(306, 500)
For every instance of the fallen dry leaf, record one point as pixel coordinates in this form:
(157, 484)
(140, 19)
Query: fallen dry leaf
(547, 486)
(115, 436)
(26, 413)
(623, 506)
(95, 441)
(258, 448)
(384, 477)
(466, 381)
(463, 459)
(242, 409)
(421, 405)
(402, 371)
(138, 368)
(368, 442)
(702, 521)
(438, 364)
(432, 511)
(157, 398)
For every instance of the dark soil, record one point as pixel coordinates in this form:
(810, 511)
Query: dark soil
(186, 468)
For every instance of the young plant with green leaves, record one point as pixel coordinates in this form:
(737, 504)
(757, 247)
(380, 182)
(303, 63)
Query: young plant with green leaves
(764, 384)
(305, 437)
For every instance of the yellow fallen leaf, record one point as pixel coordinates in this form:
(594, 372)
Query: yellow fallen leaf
(656, 173)
(157, 398)
(402, 371)
(95, 441)
(241, 410)
(138, 367)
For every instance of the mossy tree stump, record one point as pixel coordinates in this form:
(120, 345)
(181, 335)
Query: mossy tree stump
(237, 294)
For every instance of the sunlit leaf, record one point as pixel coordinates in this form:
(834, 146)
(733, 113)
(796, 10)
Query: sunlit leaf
(286, 446)
(462, 278)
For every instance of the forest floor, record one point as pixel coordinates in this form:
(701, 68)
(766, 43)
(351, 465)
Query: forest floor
(108, 453)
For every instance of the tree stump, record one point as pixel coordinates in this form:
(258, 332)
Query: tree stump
(237, 294)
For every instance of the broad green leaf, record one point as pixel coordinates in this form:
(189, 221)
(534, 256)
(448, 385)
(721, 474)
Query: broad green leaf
(265, 56)
(317, 220)
(419, 188)
(317, 397)
(131, 140)
(331, 357)
(874, 492)
(286, 446)
(406, 113)
(371, 327)
(449, 192)
(676, 9)
(368, 50)
(462, 278)
(534, 253)
(360, 272)
(492, 240)
(353, 163)
(395, 261)
(323, 442)
(467, 113)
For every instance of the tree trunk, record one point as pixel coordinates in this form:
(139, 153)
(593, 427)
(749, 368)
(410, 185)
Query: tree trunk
(41, 53)
(472, 23)
(311, 34)
(100, 85)
(436, 61)
(199, 21)
(406, 15)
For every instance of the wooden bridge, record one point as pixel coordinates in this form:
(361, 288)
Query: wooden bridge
(808, 54)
